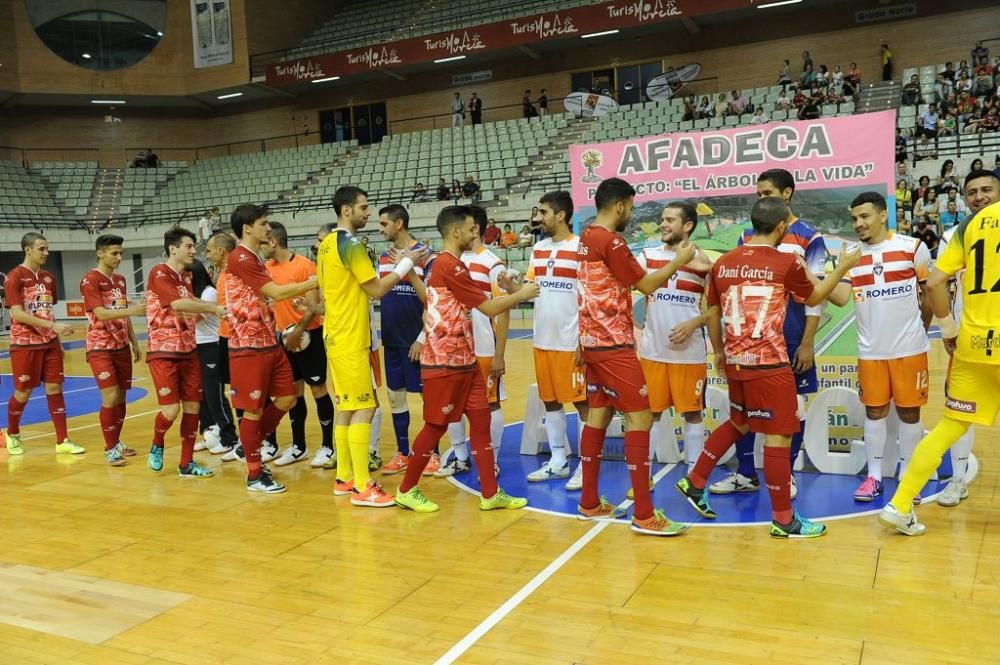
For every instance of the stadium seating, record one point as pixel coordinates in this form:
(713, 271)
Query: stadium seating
(71, 183)
(23, 195)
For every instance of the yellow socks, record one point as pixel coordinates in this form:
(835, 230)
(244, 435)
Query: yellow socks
(340, 438)
(925, 459)
(357, 438)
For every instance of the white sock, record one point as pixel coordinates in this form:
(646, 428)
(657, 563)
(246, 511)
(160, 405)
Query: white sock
(456, 433)
(875, 446)
(555, 430)
(909, 437)
(655, 434)
(496, 432)
(376, 430)
(694, 441)
(960, 452)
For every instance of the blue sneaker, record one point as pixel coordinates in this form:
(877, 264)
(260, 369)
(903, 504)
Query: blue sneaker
(194, 470)
(799, 527)
(155, 461)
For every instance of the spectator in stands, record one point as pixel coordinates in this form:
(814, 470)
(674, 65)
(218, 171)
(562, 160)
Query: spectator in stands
(372, 256)
(420, 193)
(976, 165)
(808, 79)
(922, 186)
(902, 221)
(854, 77)
(904, 197)
(950, 217)
(974, 121)
(492, 235)
(759, 117)
(948, 105)
(942, 86)
(964, 83)
(809, 110)
(982, 83)
(737, 104)
(953, 197)
(705, 108)
(929, 121)
(979, 52)
(823, 77)
(900, 147)
(508, 239)
(949, 124)
(996, 166)
(926, 232)
(543, 103)
(929, 206)
(527, 108)
(783, 103)
(476, 109)
(457, 110)
(903, 173)
(837, 81)
(690, 108)
(205, 227)
(536, 225)
(525, 237)
(785, 75)
(153, 160)
(963, 67)
(911, 92)
(949, 72)
(216, 220)
(886, 63)
(991, 122)
(966, 108)
(470, 189)
(721, 106)
(807, 61)
(443, 193)
(948, 177)
(456, 190)
(925, 149)
(799, 100)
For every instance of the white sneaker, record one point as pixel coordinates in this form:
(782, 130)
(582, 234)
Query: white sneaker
(268, 451)
(548, 472)
(291, 456)
(905, 524)
(576, 482)
(735, 482)
(211, 437)
(235, 453)
(322, 456)
(200, 445)
(219, 449)
(954, 493)
(452, 466)
(794, 489)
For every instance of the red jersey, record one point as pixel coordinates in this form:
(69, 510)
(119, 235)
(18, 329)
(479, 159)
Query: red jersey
(451, 296)
(250, 317)
(606, 274)
(100, 290)
(170, 333)
(752, 284)
(36, 293)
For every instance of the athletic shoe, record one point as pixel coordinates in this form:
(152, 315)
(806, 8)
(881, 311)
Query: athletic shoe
(631, 491)
(548, 472)
(433, 464)
(265, 484)
(735, 483)
(322, 456)
(115, 457)
(396, 464)
(374, 461)
(905, 524)
(126, 451)
(14, 446)
(194, 470)
(658, 525)
(502, 500)
(212, 440)
(200, 444)
(605, 510)
(416, 501)
(268, 451)
(576, 482)
(235, 453)
(220, 449)
(698, 498)
(453, 466)
(868, 490)
(291, 456)
(373, 497)
(155, 460)
(799, 527)
(953, 493)
(793, 490)
(343, 487)
(67, 447)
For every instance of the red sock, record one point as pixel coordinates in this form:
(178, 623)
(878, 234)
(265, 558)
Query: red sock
(107, 417)
(160, 428)
(637, 461)
(591, 444)
(15, 410)
(57, 411)
(250, 437)
(119, 421)
(722, 439)
(189, 430)
(482, 451)
(420, 454)
(778, 476)
(269, 419)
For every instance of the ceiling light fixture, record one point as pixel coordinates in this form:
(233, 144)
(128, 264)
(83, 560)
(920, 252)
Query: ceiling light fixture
(600, 34)
(230, 95)
(107, 101)
(457, 57)
(328, 78)
(778, 4)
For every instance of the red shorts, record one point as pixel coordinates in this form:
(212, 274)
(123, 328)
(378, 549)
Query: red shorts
(448, 396)
(31, 365)
(112, 368)
(615, 378)
(768, 404)
(176, 378)
(257, 376)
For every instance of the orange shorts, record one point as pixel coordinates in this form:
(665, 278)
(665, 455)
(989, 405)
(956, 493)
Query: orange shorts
(495, 390)
(559, 378)
(903, 380)
(675, 385)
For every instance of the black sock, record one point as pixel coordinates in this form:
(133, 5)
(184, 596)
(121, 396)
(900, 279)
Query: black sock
(297, 419)
(324, 411)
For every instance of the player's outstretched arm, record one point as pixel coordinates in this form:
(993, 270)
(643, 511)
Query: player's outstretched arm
(496, 306)
(849, 257)
(376, 288)
(686, 251)
(105, 314)
(276, 291)
(197, 306)
(937, 296)
(840, 296)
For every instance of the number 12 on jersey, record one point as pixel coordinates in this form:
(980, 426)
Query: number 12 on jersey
(755, 299)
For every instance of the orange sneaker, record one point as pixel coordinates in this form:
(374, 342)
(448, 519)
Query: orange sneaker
(343, 487)
(605, 510)
(433, 464)
(396, 464)
(658, 525)
(373, 497)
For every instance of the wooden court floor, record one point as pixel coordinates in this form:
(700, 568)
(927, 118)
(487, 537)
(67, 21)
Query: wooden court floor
(126, 567)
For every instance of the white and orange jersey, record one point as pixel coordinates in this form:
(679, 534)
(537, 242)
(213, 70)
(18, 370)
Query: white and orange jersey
(885, 284)
(554, 267)
(485, 268)
(677, 301)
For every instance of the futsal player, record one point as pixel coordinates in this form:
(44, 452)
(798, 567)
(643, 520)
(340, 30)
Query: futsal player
(308, 365)
(225, 440)
(454, 385)
(607, 274)
(172, 354)
(892, 339)
(347, 280)
(801, 324)
(673, 353)
(558, 364)
(973, 394)
(36, 355)
(748, 293)
(111, 343)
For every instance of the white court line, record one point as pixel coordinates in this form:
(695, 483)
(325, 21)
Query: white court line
(77, 429)
(538, 580)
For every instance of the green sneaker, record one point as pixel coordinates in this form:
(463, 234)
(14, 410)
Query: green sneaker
(658, 525)
(14, 444)
(155, 459)
(698, 498)
(416, 501)
(502, 500)
(67, 447)
(194, 470)
(115, 456)
(799, 527)
(374, 461)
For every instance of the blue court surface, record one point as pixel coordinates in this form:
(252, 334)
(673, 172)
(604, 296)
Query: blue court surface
(82, 398)
(820, 495)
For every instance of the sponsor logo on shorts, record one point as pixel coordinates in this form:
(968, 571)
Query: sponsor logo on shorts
(164, 391)
(314, 378)
(760, 414)
(365, 397)
(447, 409)
(24, 377)
(736, 406)
(255, 394)
(104, 375)
(210, 365)
(610, 392)
(593, 388)
(960, 405)
(644, 390)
